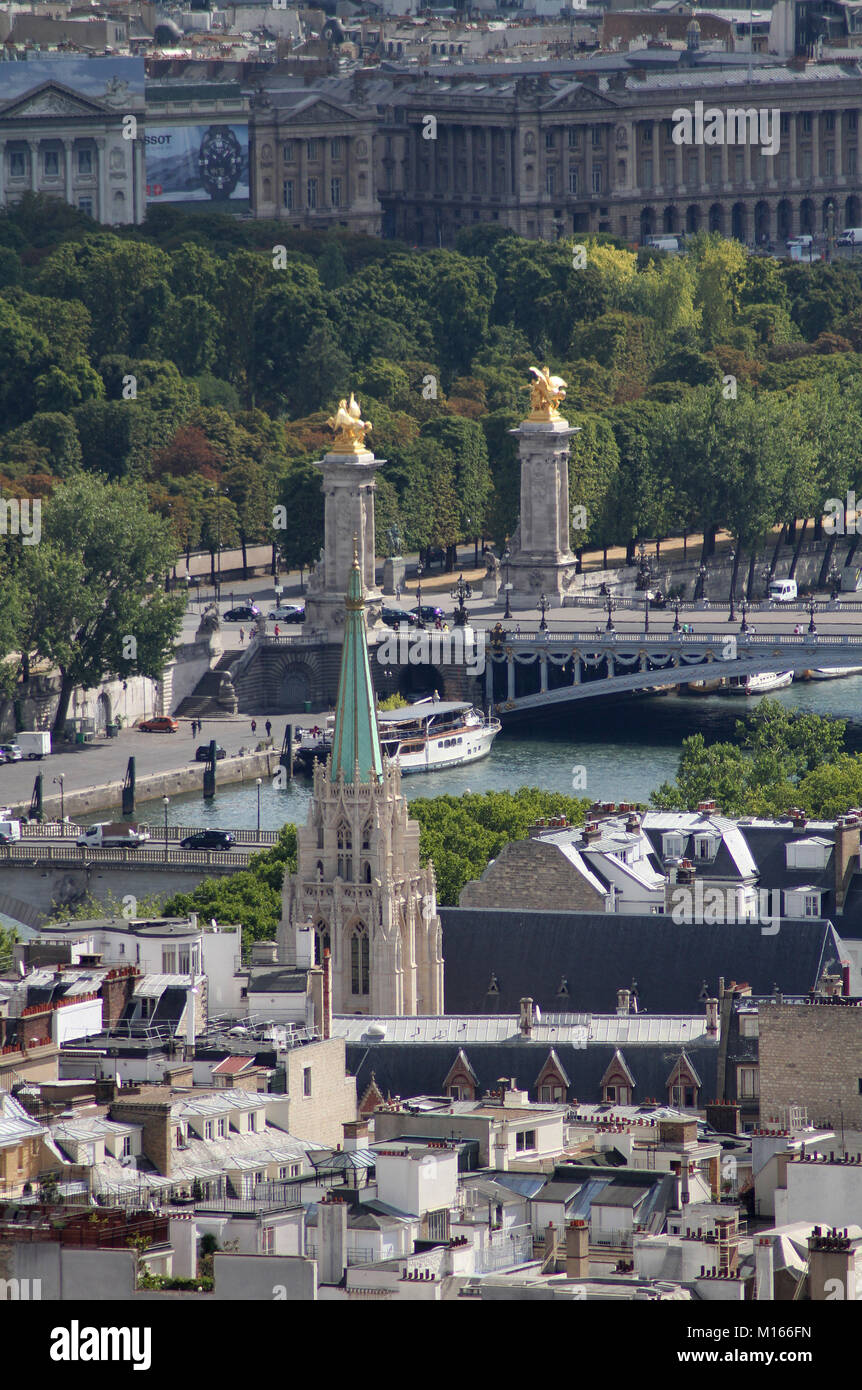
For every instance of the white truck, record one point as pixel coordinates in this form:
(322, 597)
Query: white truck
(9, 830)
(113, 835)
(34, 744)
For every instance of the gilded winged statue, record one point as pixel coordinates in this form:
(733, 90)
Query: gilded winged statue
(349, 427)
(546, 394)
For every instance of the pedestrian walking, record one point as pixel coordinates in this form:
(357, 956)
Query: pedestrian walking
(277, 630)
(241, 635)
(254, 726)
(268, 727)
(194, 727)
(397, 593)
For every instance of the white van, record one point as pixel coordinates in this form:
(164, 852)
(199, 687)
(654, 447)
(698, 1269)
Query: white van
(9, 830)
(851, 236)
(670, 243)
(782, 591)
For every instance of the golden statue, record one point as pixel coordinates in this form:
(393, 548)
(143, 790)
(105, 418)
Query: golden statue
(350, 429)
(546, 394)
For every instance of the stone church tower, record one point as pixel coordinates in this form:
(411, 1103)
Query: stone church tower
(359, 890)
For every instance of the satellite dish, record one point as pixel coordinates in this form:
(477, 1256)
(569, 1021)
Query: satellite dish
(128, 1161)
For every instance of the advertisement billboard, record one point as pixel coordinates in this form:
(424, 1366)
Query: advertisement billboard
(197, 163)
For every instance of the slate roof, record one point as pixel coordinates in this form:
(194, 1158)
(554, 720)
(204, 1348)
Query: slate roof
(414, 1069)
(599, 953)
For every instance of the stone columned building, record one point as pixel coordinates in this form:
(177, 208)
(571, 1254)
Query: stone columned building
(359, 890)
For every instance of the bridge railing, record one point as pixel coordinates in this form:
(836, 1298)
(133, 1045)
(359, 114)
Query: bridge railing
(152, 854)
(744, 640)
(56, 830)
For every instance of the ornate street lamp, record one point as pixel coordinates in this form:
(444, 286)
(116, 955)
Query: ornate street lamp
(834, 581)
(460, 592)
(731, 617)
(543, 605)
(611, 605)
(166, 801)
(702, 576)
(676, 626)
(507, 555)
(420, 621)
(812, 609)
(258, 781)
(743, 607)
(60, 779)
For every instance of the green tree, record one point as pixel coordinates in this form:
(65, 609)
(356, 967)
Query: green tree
(95, 581)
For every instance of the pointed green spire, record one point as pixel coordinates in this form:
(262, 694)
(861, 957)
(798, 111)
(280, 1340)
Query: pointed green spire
(355, 740)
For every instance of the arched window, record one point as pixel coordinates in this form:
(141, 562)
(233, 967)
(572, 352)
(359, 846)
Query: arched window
(345, 851)
(366, 835)
(321, 941)
(366, 873)
(359, 959)
(320, 835)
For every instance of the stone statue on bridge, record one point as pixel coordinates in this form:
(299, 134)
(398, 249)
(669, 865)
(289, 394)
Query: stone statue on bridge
(349, 427)
(547, 393)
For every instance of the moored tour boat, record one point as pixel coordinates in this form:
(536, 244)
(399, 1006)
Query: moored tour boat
(759, 683)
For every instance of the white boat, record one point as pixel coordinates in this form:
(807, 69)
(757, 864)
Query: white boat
(759, 683)
(435, 734)
(831, 673)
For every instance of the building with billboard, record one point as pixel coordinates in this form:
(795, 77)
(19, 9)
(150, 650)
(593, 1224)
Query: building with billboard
(197, 144)
(72, 128)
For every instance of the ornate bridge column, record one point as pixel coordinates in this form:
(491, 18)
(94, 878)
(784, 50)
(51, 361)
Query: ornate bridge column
(543, 561)
(348, 488)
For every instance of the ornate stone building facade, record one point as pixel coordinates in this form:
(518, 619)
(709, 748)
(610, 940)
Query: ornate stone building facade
(312, 161)
(573, 148)
(359, 890)
(549, 156)
(55, 141)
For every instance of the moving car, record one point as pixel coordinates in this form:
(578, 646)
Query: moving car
(246, 613)
(203, 752)
(394, 617)
(162, 724)
(851, 236)
(287, 613)
(208, 839)
(11, 752)
(429, 613)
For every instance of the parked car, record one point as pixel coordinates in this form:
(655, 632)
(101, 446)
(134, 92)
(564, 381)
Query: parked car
(10, 830)
(394, 617)
(287, 613)
(3, 758)
(162, 724)
(246, 613)
(430, 613)
(208, 839)
(203, 752)
(11, 752)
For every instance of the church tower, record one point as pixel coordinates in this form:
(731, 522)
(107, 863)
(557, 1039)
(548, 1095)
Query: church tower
(359, 889)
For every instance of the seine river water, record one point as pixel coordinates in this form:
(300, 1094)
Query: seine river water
(625, 749)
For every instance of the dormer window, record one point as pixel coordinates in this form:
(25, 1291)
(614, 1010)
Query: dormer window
(810, 853)
(802, 902)
(705, 846)
(672, 846)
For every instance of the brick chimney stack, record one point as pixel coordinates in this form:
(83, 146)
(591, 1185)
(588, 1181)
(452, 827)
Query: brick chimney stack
(846, 855)
(525, 1024)
(577, 1250)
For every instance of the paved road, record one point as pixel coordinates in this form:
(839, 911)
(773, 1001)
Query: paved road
(105, 760)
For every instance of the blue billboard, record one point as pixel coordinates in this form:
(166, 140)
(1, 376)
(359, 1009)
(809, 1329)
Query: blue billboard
(197, 163)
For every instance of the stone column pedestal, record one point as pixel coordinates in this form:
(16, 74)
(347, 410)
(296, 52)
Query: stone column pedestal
(394, 570)
(543, 561)
(348, 490)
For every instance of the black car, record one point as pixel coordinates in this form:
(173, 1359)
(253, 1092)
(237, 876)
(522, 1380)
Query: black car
(394, 617)
(203, 752)
(245, 614)
(208, 839)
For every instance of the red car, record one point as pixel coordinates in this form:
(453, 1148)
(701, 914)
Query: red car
(163, 724)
